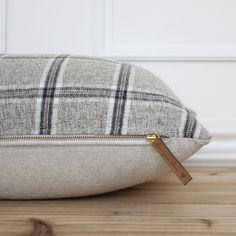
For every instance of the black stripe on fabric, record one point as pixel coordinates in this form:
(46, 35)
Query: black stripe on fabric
(80, 92)
(44, 110)
(48, 96)
(117, 97)
(77, 90)
(187, 125)
(50, 106)
(190, 126)
(120, 100)
(124, 99)
(192, 132)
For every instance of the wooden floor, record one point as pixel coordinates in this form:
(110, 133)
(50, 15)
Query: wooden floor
(206, 206)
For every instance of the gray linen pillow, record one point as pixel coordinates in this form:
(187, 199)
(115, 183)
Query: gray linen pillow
(74, 126)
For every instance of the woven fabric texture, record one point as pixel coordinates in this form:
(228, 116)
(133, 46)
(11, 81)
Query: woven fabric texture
(69, 95)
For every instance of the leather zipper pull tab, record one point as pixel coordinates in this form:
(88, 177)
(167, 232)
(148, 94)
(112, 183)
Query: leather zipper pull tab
(169, 158)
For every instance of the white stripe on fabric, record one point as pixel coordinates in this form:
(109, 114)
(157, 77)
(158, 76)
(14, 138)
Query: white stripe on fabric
(128, 102)
(39, 99)
(197, 130)
(57, 99)
(182, 123)
(112, 100)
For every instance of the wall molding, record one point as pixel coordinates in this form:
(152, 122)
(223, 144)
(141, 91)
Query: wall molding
(153, 52)
(221, 151)
(220, 127)
(3, 26)
(148, 58)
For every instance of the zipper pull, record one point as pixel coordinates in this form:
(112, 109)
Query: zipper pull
(169, 158)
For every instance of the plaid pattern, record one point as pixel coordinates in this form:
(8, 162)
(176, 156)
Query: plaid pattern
(66, 94)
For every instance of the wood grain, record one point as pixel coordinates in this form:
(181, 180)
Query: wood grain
(206, 206)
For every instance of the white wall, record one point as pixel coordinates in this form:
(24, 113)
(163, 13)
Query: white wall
(191, 44)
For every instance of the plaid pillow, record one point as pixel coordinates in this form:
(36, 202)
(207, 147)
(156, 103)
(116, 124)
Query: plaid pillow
(58, 95)
(53, 108)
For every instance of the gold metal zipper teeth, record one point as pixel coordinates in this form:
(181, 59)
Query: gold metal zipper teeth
(71, 137)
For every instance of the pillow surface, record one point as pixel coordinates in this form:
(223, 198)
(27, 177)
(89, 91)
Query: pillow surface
(48, 102)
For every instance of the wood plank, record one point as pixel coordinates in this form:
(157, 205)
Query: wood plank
(206, 206)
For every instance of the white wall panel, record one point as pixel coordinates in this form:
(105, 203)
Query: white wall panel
(170, 29)
(55, 26)
(176, 23)
(2, 25)
(190, 44)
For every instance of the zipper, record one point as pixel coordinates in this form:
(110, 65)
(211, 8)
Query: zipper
(155, 140)
(10, 138)
(177, 168)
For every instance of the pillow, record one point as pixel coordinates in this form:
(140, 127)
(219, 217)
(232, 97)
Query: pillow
(74, 126)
